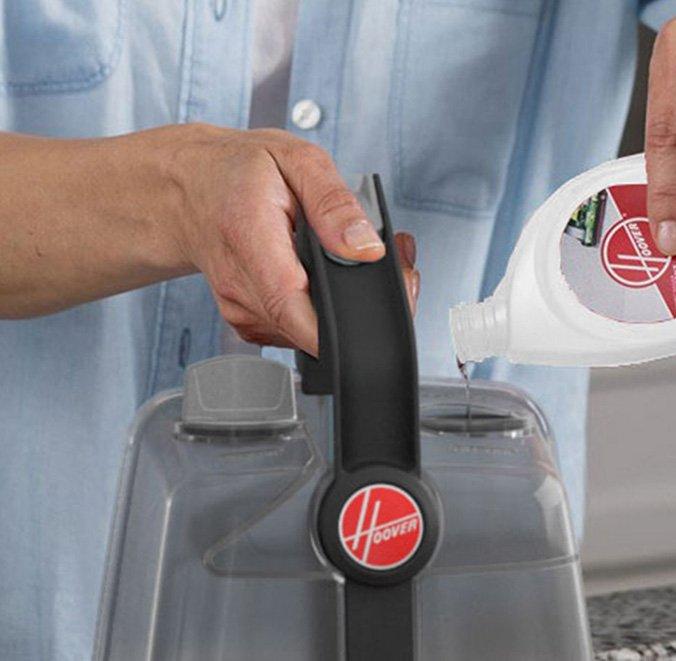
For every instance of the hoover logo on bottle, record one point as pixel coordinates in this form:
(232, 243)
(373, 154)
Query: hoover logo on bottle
(630, 255)
(380, 526)
(611, 262)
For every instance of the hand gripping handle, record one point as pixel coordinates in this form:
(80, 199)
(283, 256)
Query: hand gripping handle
(367, 357)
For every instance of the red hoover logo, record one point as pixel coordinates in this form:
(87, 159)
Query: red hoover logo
(380, 526)
(630, 256)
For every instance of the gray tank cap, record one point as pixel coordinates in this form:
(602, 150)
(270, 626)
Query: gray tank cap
(239, 392)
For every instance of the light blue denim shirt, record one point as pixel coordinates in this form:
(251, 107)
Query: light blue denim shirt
(473, 111)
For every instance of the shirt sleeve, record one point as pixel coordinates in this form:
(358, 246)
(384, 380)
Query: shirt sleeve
(655, 13)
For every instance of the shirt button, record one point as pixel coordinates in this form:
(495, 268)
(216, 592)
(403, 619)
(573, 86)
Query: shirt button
(306, 114)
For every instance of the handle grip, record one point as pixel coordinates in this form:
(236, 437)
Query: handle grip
(367, 358)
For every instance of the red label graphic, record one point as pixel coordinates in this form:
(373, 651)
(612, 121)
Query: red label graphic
(611, 262)
(630, 255)
(380, 526)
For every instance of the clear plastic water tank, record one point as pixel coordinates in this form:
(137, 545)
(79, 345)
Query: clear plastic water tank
(213, 553)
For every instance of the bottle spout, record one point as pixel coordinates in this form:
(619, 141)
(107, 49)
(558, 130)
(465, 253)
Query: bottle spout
(479, 329)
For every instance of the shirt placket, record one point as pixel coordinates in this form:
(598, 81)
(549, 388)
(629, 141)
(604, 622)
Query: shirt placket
(317, 71)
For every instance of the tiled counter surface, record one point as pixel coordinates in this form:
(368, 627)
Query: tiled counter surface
(634, 625)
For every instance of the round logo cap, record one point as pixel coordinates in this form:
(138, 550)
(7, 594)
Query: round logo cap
(380, 526)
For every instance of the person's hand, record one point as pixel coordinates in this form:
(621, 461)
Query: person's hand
(84, 219)
(660, 142)
(238, 193)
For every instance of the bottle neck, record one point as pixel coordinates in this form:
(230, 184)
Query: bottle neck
(480, 329)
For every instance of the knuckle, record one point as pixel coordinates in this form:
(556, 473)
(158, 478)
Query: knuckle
(307, 151)
(261, 164)
(234, 315)
(661, 133)
(202, 131)
(664, 191)
(226, 289)
(336, 201)
(226, 292)
(250, 152)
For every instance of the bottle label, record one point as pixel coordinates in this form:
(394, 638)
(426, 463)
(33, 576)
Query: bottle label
(610, 260)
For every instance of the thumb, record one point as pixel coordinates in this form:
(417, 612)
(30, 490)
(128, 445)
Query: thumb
(660, 144)
(330, 207)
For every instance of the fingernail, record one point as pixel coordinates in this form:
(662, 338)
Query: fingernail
(666, 237)
(361, 235)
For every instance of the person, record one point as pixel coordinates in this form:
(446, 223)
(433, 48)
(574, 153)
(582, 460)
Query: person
(137, 212)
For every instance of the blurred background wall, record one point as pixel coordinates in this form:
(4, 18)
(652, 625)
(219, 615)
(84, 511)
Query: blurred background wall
(630, 538)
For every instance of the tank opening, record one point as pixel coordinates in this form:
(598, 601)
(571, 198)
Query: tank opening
(452, 418)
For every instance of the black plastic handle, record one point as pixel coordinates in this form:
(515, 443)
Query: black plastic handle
(367, 356)
(367, 361)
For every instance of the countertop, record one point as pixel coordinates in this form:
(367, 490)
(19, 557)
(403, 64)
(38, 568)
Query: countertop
(634, 625)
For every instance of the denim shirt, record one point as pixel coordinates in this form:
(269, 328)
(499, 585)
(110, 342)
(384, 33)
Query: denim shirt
(473, 111)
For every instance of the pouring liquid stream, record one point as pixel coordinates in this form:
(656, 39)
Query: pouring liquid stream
(462, 368)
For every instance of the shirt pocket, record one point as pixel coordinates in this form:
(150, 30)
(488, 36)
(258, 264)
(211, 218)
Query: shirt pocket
(461, 68)
(58, 45)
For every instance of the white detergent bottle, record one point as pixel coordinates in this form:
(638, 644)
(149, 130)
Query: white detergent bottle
(586, 284)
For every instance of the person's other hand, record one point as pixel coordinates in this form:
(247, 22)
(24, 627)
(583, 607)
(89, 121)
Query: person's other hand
(238, 193)
(660, 142)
